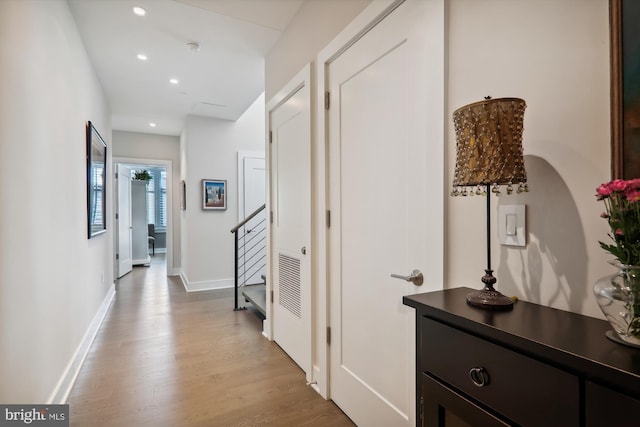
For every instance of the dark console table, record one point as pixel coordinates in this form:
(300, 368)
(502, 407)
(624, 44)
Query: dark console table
(530, 366)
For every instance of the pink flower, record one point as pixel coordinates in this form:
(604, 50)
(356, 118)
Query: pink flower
(618, 185)
(633, 196)
(619, 232)
(634, 183)
(604, 215)
(603, 191)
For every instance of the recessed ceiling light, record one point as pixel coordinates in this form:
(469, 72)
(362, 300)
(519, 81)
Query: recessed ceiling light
(138, 11)
(142, 57)
(193, 46)
(152, 124)
(174, 81)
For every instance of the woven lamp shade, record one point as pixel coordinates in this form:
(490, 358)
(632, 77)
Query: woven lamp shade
(489, 145)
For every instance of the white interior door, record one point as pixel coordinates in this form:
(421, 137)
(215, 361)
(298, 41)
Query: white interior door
(254, 231)
(124, 259)
(386, 190)
(291, 228)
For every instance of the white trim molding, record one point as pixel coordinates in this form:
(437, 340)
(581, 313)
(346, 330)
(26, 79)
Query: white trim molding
(205, 285)
(67, 380)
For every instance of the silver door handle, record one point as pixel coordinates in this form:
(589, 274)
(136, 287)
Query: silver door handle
(416, 277)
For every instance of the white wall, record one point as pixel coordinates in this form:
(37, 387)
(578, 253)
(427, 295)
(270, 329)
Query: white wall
(52, 278)
(137, 145)
(210, 149)
(554, 55)
(313, 27)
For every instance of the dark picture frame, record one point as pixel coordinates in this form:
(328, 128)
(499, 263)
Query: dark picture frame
(625, 88)
(96, 182)
(214, 194)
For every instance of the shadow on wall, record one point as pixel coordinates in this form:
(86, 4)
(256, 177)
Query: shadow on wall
(555, 240)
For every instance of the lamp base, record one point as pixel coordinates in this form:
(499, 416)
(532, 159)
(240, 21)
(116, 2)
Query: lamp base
(489, 299)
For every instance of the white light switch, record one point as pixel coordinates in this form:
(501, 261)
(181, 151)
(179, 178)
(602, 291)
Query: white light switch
(511, 225)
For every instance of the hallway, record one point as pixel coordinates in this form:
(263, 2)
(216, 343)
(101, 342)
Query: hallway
(165, 357)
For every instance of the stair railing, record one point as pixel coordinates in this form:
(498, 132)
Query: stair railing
(252, 242)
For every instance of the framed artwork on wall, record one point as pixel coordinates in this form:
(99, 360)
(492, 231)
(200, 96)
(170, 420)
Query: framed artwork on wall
(96, 174)
(625, 88)
(214, 194)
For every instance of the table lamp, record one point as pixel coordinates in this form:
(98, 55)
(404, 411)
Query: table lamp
(488, 158)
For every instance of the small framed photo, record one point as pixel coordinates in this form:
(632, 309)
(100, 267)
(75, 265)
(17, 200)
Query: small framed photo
(214, 194)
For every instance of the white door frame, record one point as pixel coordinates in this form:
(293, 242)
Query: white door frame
(367, 19)
(167, 164)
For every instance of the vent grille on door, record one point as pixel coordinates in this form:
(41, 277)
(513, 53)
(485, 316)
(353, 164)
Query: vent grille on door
(289, 284)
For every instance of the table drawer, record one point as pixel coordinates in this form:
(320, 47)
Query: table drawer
(526, 391)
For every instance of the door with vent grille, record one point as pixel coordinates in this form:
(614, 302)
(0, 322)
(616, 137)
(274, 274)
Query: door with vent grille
(290, 185)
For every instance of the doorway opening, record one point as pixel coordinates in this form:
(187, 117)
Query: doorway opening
(152, 218)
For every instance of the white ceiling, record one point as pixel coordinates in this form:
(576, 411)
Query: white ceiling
(221, 80)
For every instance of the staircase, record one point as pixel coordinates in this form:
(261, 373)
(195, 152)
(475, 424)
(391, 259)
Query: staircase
(257, 295)
(251, 260)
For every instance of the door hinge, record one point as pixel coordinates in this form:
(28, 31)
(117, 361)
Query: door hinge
(117, 256)
(271, 296)
(117, 216)
(270, 137)
(421, 410)
(271, 217)
(116, 175)
(327, 100)
(328, 335)
(328, 219)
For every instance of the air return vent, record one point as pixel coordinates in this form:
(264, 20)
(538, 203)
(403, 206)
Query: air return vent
(289, 284)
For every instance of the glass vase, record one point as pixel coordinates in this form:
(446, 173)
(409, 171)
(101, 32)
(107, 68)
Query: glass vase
(618, 296)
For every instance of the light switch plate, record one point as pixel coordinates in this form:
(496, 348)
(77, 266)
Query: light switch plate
(512, 225)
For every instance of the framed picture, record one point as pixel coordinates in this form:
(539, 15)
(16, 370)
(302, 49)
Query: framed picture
(214, 194)
(625, 88)
(183, 195)
(96, 174)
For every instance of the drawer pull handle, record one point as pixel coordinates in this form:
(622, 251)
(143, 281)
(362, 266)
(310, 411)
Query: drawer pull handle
(479, 376)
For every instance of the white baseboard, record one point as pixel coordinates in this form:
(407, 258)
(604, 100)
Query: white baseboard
(205, 285)
(63, 388)
(209, 285)
(142, 261)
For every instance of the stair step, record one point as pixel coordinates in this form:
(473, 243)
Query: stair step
(256, 295)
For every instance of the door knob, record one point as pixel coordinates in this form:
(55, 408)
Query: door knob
(416, 277)
(303, 250)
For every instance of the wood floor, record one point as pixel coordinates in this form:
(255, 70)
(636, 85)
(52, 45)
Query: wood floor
(165, 357)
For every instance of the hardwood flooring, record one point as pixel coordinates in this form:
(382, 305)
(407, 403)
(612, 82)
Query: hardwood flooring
(165, 357)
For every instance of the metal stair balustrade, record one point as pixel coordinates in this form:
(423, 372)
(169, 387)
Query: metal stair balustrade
(250, 256)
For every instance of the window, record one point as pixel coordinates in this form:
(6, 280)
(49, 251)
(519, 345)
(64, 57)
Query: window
(156, 197)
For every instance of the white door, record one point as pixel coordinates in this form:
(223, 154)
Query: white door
(253, 234)
(124, 259)
(291, 228)
(386, 189)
